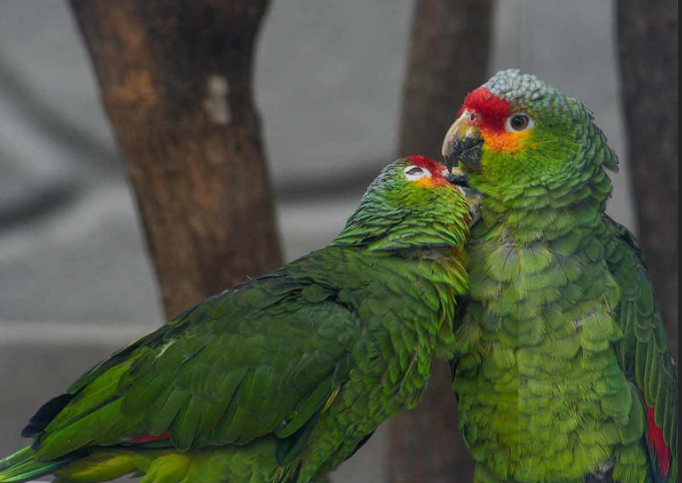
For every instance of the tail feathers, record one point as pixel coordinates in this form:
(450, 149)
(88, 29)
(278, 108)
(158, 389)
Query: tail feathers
(23, 466)
(253, 463)
(16, 458)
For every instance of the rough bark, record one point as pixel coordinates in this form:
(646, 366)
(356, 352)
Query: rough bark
(647, 38)
(176, 83)
(424, 444)
(449, 56)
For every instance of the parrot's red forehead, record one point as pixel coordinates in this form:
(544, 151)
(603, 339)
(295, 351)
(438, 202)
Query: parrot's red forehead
(427, 163)
(491, 110)
(436, 169)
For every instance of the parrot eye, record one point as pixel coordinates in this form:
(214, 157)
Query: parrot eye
(520, 122)
(413, 173)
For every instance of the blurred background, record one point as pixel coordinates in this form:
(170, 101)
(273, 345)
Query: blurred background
(330, 84)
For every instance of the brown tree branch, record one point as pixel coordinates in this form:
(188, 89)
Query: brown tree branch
(176, 83)
(449, 56)
(647, 38)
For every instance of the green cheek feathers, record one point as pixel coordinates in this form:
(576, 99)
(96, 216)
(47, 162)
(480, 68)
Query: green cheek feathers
(525, 159)
(509, 167)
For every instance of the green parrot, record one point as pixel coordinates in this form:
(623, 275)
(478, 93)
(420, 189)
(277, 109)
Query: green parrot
(563, 371)
(283, 378)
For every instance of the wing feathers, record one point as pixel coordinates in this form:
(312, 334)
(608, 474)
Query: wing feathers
(262, 358)
(644, 352)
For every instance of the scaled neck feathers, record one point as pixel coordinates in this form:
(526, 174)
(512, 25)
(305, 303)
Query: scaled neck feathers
(551, 209)
(377, 228)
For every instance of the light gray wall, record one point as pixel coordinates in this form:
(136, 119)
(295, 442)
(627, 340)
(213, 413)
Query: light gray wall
(75, 282)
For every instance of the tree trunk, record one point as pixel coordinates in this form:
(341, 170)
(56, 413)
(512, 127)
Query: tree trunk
(449, 57)
(647, 37)
(424, 444)
(176, 82)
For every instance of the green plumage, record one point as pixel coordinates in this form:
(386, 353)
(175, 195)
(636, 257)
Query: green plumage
(280, 379)
(562, 347)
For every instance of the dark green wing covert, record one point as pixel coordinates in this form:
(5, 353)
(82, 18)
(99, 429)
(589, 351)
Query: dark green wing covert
(644, 352)
(260, 359)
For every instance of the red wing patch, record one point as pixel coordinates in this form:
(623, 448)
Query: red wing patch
(148, 438)
(656, 440)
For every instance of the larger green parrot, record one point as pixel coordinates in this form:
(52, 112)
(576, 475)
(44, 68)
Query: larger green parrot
(283, 378)
(563, 370)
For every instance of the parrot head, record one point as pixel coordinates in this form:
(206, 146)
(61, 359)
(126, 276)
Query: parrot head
(418, 184)
(517, 132)
(412, 202)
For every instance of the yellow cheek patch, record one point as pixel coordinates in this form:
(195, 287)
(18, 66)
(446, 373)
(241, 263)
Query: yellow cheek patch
(426, 182)
(506, 142)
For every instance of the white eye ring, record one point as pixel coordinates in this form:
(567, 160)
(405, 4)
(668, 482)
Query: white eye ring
(413, 173)
(512, 127)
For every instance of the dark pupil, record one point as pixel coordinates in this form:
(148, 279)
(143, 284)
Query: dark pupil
(414, 171)
(519, 122)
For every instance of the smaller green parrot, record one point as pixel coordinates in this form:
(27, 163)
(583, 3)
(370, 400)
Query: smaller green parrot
(283, 378)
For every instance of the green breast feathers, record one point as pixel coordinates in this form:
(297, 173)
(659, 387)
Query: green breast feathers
(563, 370)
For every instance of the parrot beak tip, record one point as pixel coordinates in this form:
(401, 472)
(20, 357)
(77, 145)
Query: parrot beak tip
(457, 179)
(468, 151)
(450, 162)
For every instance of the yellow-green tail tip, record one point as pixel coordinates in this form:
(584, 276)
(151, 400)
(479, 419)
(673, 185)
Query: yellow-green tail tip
(23, 466)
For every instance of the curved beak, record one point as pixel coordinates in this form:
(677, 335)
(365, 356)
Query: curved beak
(463, 143)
